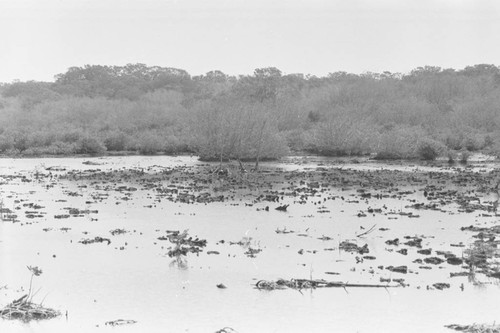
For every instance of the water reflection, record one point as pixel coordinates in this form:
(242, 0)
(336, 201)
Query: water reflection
(179, 262)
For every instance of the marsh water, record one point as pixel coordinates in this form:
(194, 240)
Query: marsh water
(133, 278)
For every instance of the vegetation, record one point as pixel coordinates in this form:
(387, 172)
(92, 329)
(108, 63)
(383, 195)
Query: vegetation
(476, 328)
(24, 309)
(424, 114)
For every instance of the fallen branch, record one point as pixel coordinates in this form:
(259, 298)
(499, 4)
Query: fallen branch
(120, 322)
(312, 284)
(367, 232)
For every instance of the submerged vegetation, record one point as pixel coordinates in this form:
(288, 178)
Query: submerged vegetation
(427, 113)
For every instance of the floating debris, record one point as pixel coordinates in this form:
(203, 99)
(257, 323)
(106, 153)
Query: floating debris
(392, 241)
(475, 328)
(433, 260)
(120, 322)
(441, 286)
(96, 239)
(25, 310)
(352, 247)
(251, 252)
(312, 284)
(118, 232)
(398, 269)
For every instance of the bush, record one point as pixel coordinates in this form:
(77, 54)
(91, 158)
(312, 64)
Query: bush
(399, 143)
(71, 135)
(13, 152)
(173, 145)
(20, 141)
(488, 141)
(296, 139)
(89, 145)
(464, 157)
(149, 144)
(473, 143)
(340, 136)
(454, 141)
(61, 148)
(429, 149)
(41, 139)
(33, 151)
(452, 156)
(116, 141)
(6, 143)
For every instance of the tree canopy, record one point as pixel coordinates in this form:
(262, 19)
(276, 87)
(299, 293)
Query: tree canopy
(264, 115)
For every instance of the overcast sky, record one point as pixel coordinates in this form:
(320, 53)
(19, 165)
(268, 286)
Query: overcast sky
(41, 38)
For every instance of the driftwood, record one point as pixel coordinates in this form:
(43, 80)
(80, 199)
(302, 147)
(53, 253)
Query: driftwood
(367, 232)
(96, 239)
(120, 322)
(311, 284)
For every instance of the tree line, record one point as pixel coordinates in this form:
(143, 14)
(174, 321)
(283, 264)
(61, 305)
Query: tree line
(92, 109)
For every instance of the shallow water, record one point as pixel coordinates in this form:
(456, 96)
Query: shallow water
(133, 278)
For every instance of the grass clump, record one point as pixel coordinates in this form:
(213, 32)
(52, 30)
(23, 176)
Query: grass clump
(24, 308)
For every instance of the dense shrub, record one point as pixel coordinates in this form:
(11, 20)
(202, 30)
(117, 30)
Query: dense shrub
(41, 138)
(399, 143)
(341, 136)
(258, 116)
(89, 145)
(473, 143)
(20, 140)
(429, 149)
(172, 145)
(6, 143)
(71, 135)
(61, 148)
(148, 144)
(116, 141)
(464, 157)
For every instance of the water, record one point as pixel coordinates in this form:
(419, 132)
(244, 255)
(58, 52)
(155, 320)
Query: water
(133, 278)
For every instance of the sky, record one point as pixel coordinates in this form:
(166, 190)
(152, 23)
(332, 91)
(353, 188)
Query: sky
(42, 38)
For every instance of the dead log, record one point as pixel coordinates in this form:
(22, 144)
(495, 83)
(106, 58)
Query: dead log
(312, 284)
